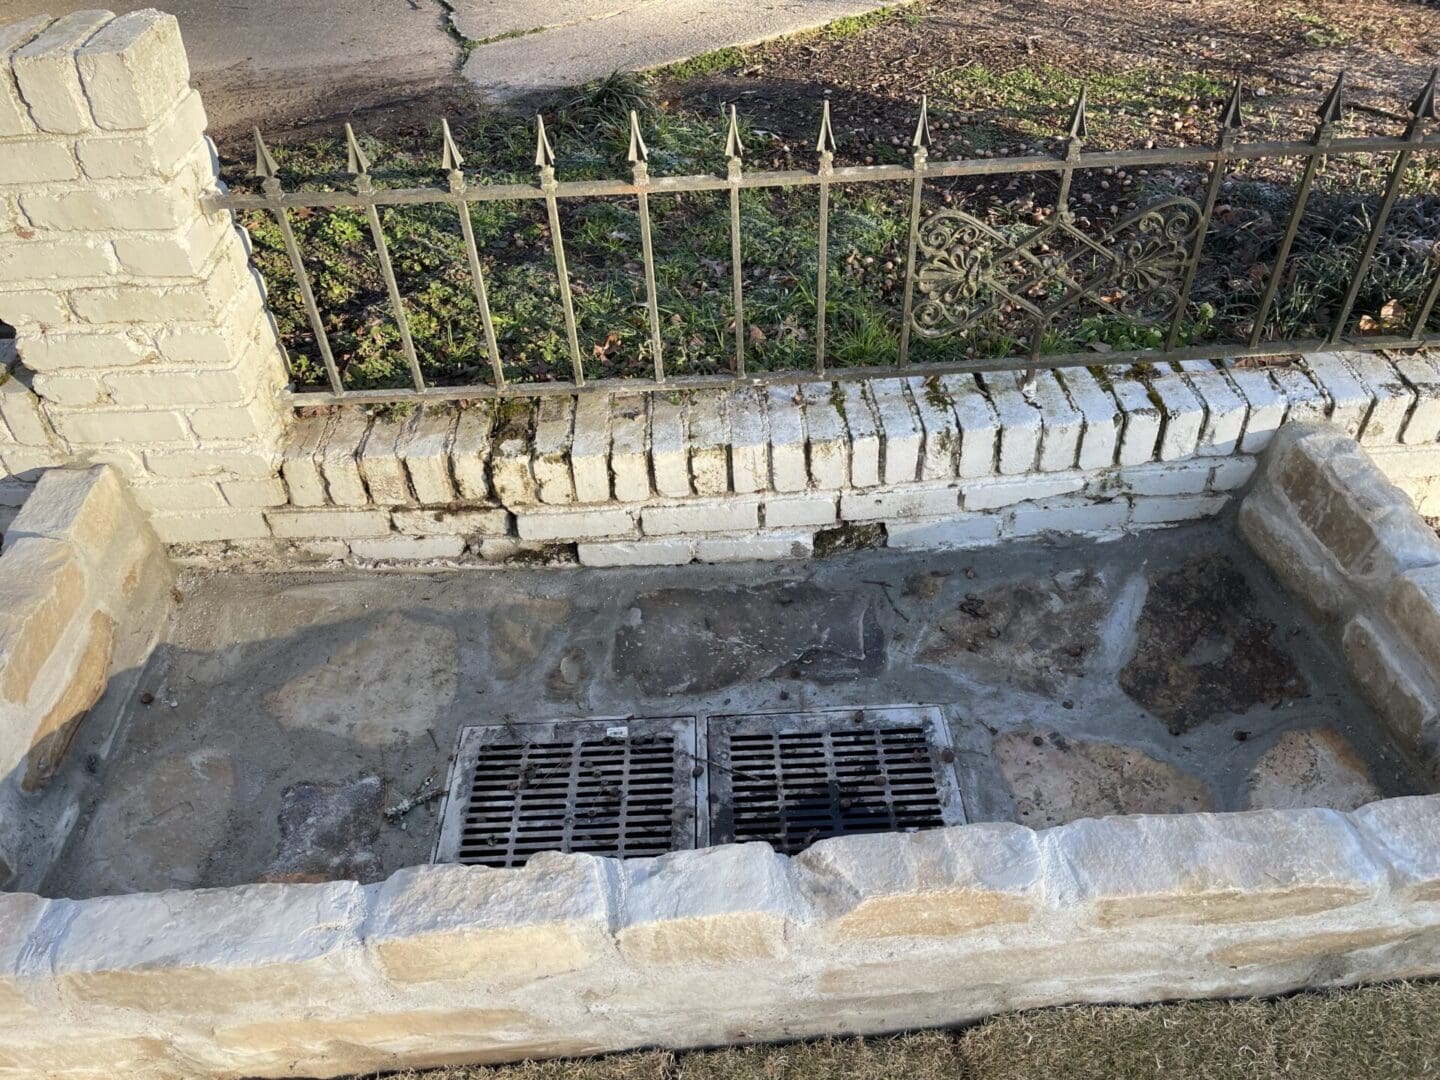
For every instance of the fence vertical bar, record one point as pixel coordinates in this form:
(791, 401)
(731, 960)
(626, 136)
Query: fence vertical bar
(825, 147)
(545, 163)
(919, 153)
(359, 167)
(1230, 121)
(1330, 113)
(734, 150)
(640, 169)
(451, 163)
(269, 174)
(1422, 111)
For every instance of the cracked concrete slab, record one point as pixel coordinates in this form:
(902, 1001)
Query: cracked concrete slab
(576, 41)
(213, 782)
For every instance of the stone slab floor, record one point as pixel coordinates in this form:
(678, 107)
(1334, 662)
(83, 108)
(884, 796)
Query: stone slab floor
(1164, 673)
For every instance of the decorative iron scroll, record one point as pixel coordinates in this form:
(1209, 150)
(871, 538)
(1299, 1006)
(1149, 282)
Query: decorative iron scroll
(1135, 270)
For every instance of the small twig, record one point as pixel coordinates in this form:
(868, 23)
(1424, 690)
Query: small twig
(726, 768)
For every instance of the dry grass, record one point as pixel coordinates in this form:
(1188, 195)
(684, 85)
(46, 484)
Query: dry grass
(1387, 1032)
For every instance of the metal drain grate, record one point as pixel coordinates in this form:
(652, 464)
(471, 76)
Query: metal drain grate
(609, 787)
(796, 778)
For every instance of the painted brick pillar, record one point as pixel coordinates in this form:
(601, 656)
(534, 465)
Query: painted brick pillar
(140, 326)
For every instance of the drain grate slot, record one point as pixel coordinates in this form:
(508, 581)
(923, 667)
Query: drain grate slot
(792, 779)
(623, 788)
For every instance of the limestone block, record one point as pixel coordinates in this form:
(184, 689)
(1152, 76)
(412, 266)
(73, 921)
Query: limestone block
(749, 442)
(1141, 431)
(89, 508)
(799, 511)
(916, 501)
(1367, 524)
(629, 447)
(483, 926)
(381, 464)
(298, 464)
(470, 452)
(940, 448)
(938, 883)
(1350, 398)
(668, 428)
(900, 453)
(339, 460)
(1291, 555)
(14, 114)
(993, 494)
(48, 79)
(720, 515)
(961, 531)
(20, 915)
(42, 588)
(708, 439)
(1063, 424)
(554, 433)
(865, 438)
(213, 951)
(1020, 423)
(668, 552)
(755, 546)
(425, 449)
(86, 681)
(1104, 422)
(1216, 869)
(1407, 832)
(1402, 694)
(577, 524)
(302, 524)
(1414, 609)
(134, 69)
(722, 905)
(827, 439)
(786, 425)
(590, 449)
(1225, 410)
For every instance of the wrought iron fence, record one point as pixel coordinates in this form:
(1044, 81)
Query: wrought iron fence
(959, 270)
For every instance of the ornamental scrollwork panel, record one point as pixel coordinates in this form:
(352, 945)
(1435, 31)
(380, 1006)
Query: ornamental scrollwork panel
(966, 269)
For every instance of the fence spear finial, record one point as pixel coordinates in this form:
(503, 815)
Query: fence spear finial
(356, 163)
(450, 159)
(544, 152)
(265, 167)
(1332, 109)
(1079, 122)
(921, 139)
(1424, 107)
(1230, 117)
(734, 147)
(825, 144)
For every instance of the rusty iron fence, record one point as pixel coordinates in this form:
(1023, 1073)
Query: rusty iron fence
(958, 269)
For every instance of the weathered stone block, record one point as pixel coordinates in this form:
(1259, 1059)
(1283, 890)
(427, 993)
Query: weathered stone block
(722, 905)
(1414, 608)
(1291, 555)
(471, 924)
(1208, 869)
(57, 728)
(1401, 693)
(939, 883)
(41, 590)
(1407, 832)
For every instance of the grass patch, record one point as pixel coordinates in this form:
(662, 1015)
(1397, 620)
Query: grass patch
(1379, 1033)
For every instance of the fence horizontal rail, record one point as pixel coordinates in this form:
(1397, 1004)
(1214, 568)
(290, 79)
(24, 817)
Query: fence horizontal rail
(960, 271)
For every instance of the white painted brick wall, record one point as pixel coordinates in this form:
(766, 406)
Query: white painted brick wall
(901, 431)
(789, 470)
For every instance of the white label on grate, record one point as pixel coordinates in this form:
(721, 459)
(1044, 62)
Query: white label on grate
(621, 732)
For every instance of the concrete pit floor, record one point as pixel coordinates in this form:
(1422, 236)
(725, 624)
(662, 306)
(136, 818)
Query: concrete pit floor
(1158, 674)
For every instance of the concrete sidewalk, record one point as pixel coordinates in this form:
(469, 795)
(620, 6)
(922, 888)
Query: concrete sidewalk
(281, 63)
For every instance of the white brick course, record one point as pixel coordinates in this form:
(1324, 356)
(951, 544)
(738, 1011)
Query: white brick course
(1183, 413)
(572, 524)
(1423, 377)
(1140, 433)
(1020, 423)
(1225, 410)
(1267, 406)
(554, 433)
(1100, 441)
(799, 511)
(1062, 424)
(827, 438)
(749, 442)
(339, 524)
(963, 531)
(408, 548)
(48, 79)
(786, 425)
(1175, 509)
(629, 448)
(669, 458)
(940, 448)
(736, 514)
(709, 438)
(470, 452)
(424, 447)
(590, 449)
(919, 501)
(723, 549)
(134, 69)
(673, 552)
(900, 453)
(1392, 395)
(864, 436)
(1069, 515)
(999, 492)
(1350, 398)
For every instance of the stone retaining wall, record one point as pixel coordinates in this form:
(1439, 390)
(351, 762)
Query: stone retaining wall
(1355, 549)
(83, 584)
(577, 955)
(753, 473)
